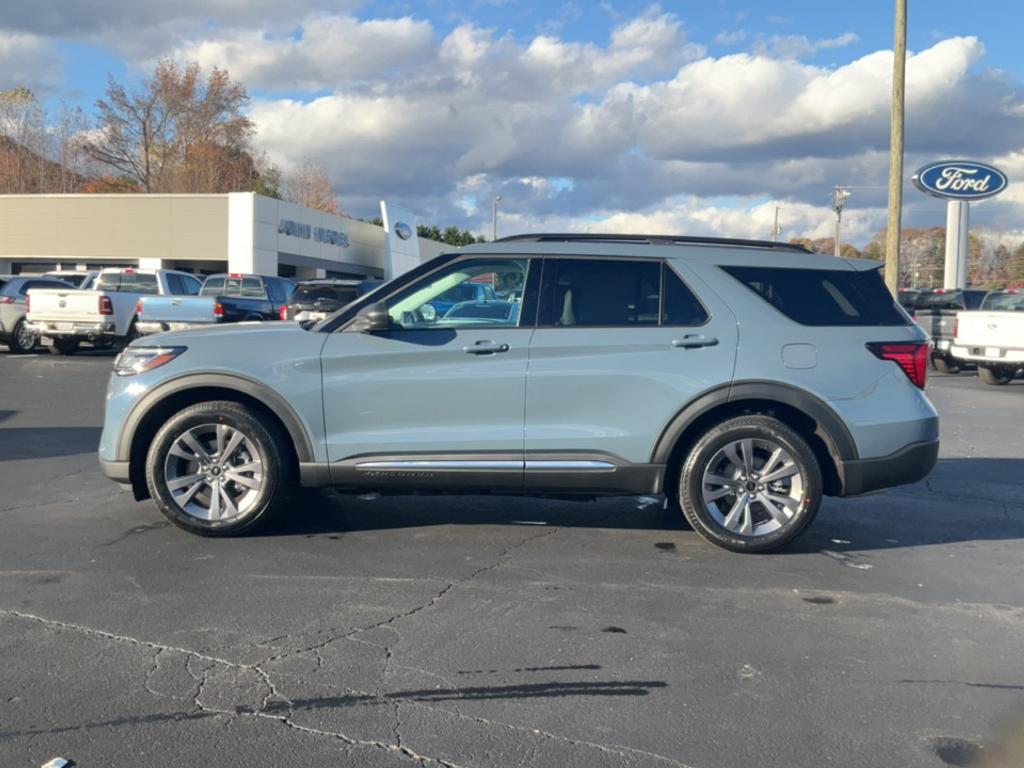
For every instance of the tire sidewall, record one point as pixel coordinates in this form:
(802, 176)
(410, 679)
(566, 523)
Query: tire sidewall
(234, 416)
(756, 427)
(15, 345)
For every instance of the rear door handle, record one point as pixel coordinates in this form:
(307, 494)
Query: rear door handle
(694, 341)
(485, 348)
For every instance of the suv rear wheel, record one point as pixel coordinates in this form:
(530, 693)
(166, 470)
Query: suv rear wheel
(216, 469)
(750, 484)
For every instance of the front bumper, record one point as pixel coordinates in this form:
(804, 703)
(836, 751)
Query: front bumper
(994, 355)
(907, 465)
(118, 471)
(56, 330)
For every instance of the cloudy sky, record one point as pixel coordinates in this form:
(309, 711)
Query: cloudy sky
(694, 117)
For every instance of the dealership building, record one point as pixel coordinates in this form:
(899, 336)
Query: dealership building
(203, 234)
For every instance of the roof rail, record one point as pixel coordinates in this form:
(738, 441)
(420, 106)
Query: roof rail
(572, 237)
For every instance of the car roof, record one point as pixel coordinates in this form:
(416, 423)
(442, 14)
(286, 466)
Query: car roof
(719, 251)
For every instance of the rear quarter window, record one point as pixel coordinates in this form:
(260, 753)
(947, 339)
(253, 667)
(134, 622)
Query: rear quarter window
(823, 297)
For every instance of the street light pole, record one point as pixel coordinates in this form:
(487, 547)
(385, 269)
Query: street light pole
(494, 218)
(839, 197)
(892, 231)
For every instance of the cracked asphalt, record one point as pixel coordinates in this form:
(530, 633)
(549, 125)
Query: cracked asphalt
(502, 632)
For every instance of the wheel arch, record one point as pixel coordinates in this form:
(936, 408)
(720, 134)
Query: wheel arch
(810, 416)
(153, 410)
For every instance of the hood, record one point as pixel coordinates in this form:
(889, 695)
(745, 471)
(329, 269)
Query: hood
(271, 330)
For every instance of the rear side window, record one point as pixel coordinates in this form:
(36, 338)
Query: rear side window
(823, 297)
(601, 292)
(1004, 302)
(681, 306)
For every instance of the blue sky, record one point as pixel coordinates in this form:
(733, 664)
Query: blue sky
(697, 117)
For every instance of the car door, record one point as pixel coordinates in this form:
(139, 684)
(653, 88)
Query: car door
(434, 400)
(621, 346)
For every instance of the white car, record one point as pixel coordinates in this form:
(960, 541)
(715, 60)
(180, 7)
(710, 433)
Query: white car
(993, 336)
(63, 319)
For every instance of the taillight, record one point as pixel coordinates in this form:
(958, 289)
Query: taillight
(283, 313)
(218, 309)
(911, 356)
(106, 306)
(956, 327)
(10, 300)
(138, 307)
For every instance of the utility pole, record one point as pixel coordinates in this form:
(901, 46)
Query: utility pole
(839, 198)
(775, 227)
(892, 231)
(494, 218)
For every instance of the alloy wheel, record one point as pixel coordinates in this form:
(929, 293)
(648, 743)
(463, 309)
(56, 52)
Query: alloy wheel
(752, 487)
(214, 472)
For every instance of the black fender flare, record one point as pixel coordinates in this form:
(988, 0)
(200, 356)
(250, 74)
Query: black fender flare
(269, 398)
(833, 431)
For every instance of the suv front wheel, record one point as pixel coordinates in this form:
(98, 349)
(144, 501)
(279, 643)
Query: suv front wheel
(216, 469)
(750, 484)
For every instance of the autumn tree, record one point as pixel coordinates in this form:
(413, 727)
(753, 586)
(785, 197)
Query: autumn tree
(310, 185)
(177, 131)
(39, 153)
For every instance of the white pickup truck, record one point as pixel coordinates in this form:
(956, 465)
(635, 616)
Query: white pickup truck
(104, 317)
(993, 336)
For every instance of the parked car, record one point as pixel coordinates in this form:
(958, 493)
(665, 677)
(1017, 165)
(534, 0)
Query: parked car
(908, 297)
(78, 278)
(14, 330)
(936, 311)
(461, 293)
(104, 316)
(313, 300)
(993, 337)
(746, 380)
(225, 298)
(484, 312)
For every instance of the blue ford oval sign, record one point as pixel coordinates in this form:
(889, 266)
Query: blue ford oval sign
(960, 180)
(403, 230)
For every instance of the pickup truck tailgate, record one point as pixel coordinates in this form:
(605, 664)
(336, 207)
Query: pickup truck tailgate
(990, 329)
(58, 305)
(178, 309)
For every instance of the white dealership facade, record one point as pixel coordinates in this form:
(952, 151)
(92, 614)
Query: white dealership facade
(203, 234)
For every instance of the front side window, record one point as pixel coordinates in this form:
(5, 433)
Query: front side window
(481, 293)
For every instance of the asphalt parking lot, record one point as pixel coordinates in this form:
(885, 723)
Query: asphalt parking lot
(502, 632)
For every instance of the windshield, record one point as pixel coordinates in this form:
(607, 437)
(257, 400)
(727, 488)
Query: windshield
(129, 282)
(1004, 302)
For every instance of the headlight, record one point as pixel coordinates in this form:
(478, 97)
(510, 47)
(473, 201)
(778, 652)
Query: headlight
(135, 360)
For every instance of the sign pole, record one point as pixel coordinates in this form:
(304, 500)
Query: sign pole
(957, 223)
(893, 225)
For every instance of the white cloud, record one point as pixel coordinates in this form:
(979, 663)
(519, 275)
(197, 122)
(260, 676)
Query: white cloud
(28, 60)
(800, 46)
(731, 37)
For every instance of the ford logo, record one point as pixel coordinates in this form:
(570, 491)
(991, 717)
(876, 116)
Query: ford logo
(403, 230)
(960, 180)
(62, 303)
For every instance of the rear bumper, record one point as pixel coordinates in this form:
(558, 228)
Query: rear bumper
(73, 330)
(1003, 356)
(146, 327)
(907, 465)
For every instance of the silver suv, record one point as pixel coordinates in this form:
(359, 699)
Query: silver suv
(744, 380)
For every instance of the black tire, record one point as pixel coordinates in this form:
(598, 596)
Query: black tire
(997, 375)
(257, 429)
(64, 347)
(944, 364)
(16, 343)
(766, 430)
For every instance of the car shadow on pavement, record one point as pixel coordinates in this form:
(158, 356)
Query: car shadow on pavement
(964, 499)
(17, 443)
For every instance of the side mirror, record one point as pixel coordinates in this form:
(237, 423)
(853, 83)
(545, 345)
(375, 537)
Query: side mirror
(372, 319)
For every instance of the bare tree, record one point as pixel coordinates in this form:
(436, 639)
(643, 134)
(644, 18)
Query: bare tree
(311, 186)
(175, 132)
(23, 143)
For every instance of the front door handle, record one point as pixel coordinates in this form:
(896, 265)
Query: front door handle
(694, 341)
(485, 348)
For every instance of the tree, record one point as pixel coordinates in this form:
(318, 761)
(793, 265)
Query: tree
(175, 131)
(827, 245)
(310, 185)
(22, 142)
